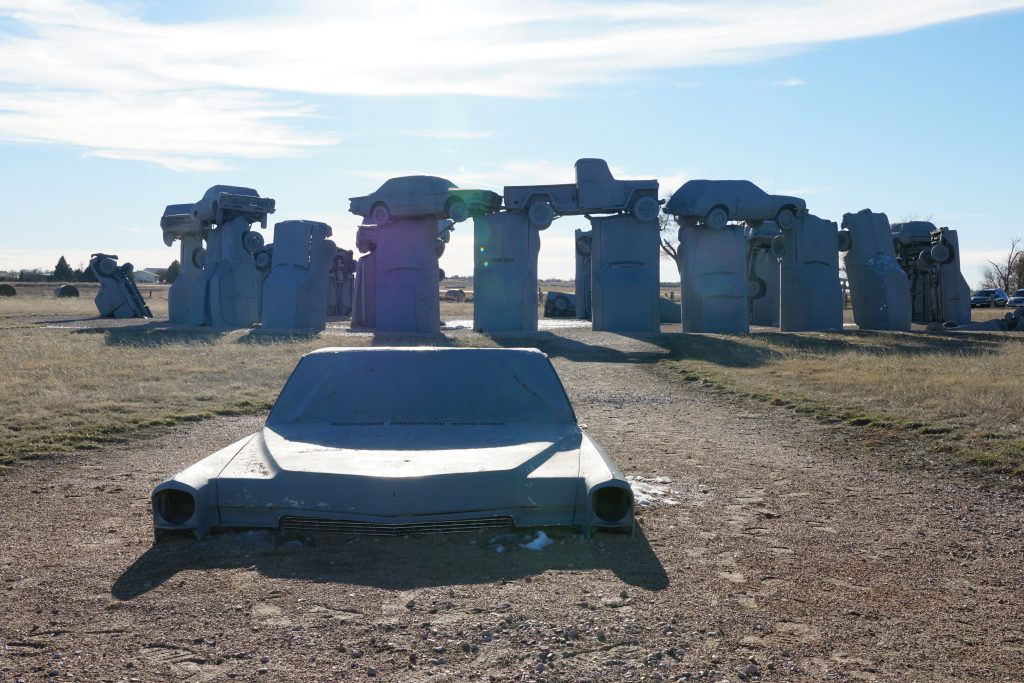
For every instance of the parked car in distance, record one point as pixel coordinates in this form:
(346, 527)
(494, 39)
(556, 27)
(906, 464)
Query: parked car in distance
(716, 202)
(422, 196)
(989, 297)
(392, 441)
(455, 295)
(1016, 299)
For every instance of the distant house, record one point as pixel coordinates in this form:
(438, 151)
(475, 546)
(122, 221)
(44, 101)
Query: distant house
(146, 277)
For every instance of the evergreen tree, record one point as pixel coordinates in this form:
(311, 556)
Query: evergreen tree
(173, 271)
(63, 272)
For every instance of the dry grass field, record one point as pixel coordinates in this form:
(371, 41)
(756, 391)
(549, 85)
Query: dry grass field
(71, 388)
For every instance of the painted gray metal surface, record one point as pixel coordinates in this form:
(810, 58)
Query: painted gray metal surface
(625, 278)
(595, 191)
(713, 279)
(221, 284)
(812, 297)
(397, 436)
(118, 296)
(715, 202)
(505, 248)
(405, 279)
(295, 292)
(763, 274)
(1013, 321)
(879, 289)
(341, 283)
(930, 256)
(422, 196)
(584, 274)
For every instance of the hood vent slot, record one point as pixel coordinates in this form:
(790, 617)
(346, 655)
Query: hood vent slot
(477, 423)
(358, 423)
(380, 529)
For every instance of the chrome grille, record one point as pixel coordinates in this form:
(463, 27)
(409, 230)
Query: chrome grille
(383, 529)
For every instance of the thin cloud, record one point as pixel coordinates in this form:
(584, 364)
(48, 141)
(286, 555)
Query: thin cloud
(438, 134)
(190, 94)
(790, 83)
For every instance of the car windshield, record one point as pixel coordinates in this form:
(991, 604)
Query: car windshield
(1019, 292)
(429, 385)
(984, 292)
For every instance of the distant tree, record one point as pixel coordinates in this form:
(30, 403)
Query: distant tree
(173, 271)
(63, 272)
(34, 275)
(669, 243)
(1006, 272)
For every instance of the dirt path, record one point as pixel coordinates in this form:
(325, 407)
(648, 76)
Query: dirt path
(776, 548)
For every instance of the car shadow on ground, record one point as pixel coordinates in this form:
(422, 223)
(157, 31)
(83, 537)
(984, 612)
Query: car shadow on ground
(400, 563)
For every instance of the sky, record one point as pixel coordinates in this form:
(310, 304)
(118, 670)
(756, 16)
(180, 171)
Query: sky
(111, 110)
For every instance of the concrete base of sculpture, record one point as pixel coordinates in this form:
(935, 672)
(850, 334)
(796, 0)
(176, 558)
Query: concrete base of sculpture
(584, 274)
(713, 279)
(812, 297)
(763, 275)
(406, 277)
(879, 290)
(505, 248)
(295, 292)
(118, 297)
(625, 278)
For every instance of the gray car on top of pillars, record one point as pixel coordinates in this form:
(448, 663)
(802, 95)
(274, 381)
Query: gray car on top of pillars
(716, 202)
(423, 196)
(399, 440)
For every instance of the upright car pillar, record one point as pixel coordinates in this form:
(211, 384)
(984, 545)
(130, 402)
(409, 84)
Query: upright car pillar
(505, 248)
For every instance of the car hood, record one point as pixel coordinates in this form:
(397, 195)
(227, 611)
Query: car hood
(398, 470)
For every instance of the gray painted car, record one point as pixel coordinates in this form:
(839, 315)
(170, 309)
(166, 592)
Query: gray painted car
(422, 196)
(1016, 299)
(717, 202)
(389, 440)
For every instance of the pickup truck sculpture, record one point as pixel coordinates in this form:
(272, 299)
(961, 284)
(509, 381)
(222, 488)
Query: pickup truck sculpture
(595, 191)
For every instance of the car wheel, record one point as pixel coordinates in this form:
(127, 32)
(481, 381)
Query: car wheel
(439, 248)
(540, 214)
(106, 266)
(263, 260)
(785, 218)
(845, 240)
(379, 214)
(457, 210)
(560, 306)
(924, 260)
(252, 242)
(940, 253)
(756, 288)
(778, 246)
(199, 257)
(717, 218)
(646, 209)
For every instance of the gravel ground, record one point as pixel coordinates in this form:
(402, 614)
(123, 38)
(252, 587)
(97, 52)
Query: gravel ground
(773, 547)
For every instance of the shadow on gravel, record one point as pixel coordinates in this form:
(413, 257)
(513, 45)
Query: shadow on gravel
(396, 563)
(158, 334)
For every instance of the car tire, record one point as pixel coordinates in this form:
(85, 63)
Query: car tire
(924, 259)
(560, 306)
(845, 240)
(199, 257)
(940, 253)
(717, 218)
(646, 209)
(457, 210)
(106, 266)
(379, 214)
(252, 242)
(263, 259)
(540, 214)
(756, 288)
(785, 218)
(778, 247)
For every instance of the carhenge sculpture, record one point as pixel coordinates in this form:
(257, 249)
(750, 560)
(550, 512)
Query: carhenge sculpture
(220, 286)
(398, 280)
(713, 268)
(295, 292)
(930, 256)
(341, 284)
(118, 297)
(625, 247)
(584, 270)
(811, 294)
(879, 290)
(762, 274)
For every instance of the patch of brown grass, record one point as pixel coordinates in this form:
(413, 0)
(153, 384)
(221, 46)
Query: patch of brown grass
(963, 391)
